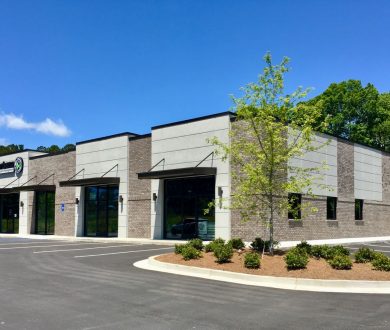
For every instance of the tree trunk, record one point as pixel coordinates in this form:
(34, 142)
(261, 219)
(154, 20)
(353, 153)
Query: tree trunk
(271, 232)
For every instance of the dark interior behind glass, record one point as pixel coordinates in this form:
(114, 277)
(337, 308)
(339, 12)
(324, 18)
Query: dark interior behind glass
(184, 209)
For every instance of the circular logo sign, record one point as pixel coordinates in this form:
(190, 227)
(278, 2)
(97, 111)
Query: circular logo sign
(18, 165)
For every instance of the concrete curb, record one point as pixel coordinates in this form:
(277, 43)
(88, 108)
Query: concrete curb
(287, 283)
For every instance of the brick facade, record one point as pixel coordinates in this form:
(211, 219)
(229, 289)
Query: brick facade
(139, 202)
(63, 167)
(376, 215)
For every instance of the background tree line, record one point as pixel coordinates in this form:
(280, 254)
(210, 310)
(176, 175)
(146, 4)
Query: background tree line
(4, 150)
(357, 113)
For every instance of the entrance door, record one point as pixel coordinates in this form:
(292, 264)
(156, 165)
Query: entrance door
(9, 213)
(184, 209)
(45, 212)
(101, 211)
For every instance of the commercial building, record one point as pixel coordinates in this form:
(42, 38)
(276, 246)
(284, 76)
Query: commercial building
(159, 185)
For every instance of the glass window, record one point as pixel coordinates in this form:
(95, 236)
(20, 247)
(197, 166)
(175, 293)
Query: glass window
(9, 213)
(331, 208)
(358, 209)
(91, 193)
(45, 212)
(101, 211)
(112, 217)
(185, 203)
(40, 215)
(294, 206)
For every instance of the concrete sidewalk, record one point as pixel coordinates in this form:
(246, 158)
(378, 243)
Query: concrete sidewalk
(94, 239)
(282, 245)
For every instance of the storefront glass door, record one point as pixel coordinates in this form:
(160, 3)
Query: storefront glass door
(184, 209)
(9, 213)
(101, 211)
(45, 212)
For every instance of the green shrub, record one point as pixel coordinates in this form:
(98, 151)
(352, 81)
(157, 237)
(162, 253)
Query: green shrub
(328, 252)
(305, 246)
(237, 243)
(317, 251)
(219, 241)
(381, 262)
(296, 259)
(364, 255)
(340, 261)
(252, 260)
(209, 247)
(189, 252)
(298, 250)
(259, 244)
(213, 244)
(223, 253)
(197, 243)
(340, 250)
(179, 248)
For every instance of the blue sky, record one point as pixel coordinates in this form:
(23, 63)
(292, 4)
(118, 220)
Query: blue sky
(72, 70)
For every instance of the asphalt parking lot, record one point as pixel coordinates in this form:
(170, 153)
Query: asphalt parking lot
(380, 246)
(83, 285)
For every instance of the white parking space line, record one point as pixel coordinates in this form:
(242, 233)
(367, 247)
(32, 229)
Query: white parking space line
(123, 252)
(44, 246)
(382, 246)
(88, 248)
(353, 248)
(24, 243)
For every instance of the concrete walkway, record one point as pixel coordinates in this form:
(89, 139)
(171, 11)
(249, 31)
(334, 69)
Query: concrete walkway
(93, 239)
(282, 245)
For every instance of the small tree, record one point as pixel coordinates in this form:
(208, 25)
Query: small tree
(271, 128)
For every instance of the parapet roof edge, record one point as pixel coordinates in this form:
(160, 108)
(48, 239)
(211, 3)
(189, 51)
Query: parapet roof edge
(107, 137)
(220, 114)
(20, 152)
(141, 136)
(52, 154)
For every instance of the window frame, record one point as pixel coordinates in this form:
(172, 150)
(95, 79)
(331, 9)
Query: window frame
(359, 207)
(329, 214)
(299, 206)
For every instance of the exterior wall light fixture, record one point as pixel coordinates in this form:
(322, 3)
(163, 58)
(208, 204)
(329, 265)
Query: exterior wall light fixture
(21, 204)
(77, 201)
(120, 199)
(220, 194)
(154, 196)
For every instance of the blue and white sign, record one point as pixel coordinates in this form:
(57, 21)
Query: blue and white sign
(62, 207)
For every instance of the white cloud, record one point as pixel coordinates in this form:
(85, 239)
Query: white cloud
(3, 142)
(48, 126)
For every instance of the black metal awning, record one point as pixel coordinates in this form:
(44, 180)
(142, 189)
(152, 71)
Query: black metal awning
(32, 187)
(8, 191)
(178, 173)
(90, 182)
(37, 187)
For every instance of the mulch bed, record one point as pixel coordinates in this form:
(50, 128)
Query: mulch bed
(275, 266)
